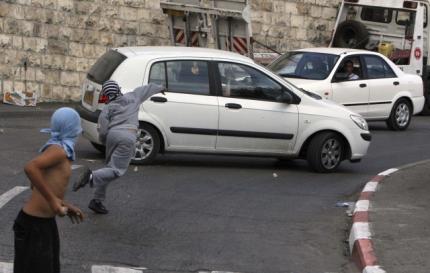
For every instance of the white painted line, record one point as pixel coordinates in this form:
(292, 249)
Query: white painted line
(362, 205)
(388, 172)
(359, 230)
(112, 269)
(6, 267)
(373, 269)
(74, 167)
(370, 186)
(9, 195)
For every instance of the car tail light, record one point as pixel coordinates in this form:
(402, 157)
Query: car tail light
(410, 5)
(103, 99)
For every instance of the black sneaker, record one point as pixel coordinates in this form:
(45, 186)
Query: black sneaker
(97, 206)
(83, 179)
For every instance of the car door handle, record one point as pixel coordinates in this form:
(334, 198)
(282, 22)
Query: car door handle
(363, 85)
(233, 106)
(396, 83)
(159, 99)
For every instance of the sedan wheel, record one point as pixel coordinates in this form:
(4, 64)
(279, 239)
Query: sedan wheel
(401, 115)
(325, 152)
(147, 145)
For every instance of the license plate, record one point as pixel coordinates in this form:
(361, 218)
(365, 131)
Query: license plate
(88, 97)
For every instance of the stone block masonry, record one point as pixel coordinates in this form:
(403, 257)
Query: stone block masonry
(59, 40)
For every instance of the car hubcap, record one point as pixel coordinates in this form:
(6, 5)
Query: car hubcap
(144, 145)
(331, 153)
(402, 114)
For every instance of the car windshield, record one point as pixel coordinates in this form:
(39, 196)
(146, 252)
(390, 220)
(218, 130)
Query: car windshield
(304, 65)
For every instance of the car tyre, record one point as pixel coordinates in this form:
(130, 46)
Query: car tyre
(99, 147)
(400, 116)
(147, 145)
(325, 152)
(351, 34)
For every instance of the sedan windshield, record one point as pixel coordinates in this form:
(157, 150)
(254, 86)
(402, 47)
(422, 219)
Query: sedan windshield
(304, 65)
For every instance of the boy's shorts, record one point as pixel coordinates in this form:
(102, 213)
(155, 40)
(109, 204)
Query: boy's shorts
(37, 245)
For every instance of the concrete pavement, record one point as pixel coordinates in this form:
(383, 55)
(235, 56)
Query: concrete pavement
(391, 225)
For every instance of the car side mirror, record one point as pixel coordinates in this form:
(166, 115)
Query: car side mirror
(340, 77)
(286, 97)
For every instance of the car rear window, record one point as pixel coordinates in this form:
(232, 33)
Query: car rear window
(105, 66)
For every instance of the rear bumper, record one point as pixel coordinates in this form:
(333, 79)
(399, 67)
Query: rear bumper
(89, 122)
(418, 103)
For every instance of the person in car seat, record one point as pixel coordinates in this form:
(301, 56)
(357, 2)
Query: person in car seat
(117, 126)
(349, 68)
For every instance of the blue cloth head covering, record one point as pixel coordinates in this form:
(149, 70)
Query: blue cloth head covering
(65, 130)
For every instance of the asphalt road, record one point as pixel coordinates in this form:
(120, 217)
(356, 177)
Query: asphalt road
(189, 213)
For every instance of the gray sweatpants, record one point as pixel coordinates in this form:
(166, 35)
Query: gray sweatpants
(120, 148)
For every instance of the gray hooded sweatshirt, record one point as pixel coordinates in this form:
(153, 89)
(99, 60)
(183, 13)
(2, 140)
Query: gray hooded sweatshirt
(122, 113)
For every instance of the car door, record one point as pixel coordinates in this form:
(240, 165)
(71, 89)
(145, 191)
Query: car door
(188, 113)
(353, 94)
(251, 118)
(383, 85)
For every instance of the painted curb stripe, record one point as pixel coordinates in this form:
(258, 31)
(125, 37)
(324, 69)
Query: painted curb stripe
(9, 195)
(365, 195)
(6, 267)
(362, 205)
(371, 186)
(112, 269)
(364, 254)
(388, 172)
(378, 178)
(358, 231)
(373, 269)
(361, 216)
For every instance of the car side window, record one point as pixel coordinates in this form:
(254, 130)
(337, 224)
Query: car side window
(244, 82)
(377, 68)
(350, 69)
(158, 74)
(188, 77)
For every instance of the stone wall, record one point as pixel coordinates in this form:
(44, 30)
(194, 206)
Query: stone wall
(59, 40)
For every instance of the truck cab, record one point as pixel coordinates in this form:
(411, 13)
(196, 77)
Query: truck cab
(398, 29)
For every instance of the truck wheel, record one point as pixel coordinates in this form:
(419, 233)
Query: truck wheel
(325, 152)
(99, 147)
(351, 34)
(400, 116)
(147, 145)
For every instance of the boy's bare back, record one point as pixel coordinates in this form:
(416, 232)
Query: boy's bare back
(49, 174)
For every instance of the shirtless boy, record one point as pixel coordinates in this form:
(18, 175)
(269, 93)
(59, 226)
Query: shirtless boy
(37, 242)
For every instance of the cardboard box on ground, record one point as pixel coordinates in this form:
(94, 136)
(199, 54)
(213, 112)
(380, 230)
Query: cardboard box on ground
(20, 98)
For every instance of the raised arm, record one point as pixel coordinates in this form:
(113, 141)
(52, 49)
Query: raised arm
(34, 169)
(142, 93)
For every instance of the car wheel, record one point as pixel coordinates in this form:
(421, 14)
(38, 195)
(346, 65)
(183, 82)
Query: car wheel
(325, 152)
(99, 147)
(400, 116)
(147, 145)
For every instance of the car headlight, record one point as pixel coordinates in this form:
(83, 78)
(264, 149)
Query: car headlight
(361, 122)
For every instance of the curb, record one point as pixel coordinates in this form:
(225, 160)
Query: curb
(360, 238)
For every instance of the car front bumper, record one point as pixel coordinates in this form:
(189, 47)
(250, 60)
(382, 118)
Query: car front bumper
(418, 104)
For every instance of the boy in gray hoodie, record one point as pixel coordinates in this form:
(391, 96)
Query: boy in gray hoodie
(117, 126)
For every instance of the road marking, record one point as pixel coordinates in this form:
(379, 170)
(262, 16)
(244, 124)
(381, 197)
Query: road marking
(112, 269)
(6, 267)
(388, 172)
(9, 195)
(74, 167)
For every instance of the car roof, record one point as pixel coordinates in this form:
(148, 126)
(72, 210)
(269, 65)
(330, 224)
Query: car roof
(334, 50)
(180, 51)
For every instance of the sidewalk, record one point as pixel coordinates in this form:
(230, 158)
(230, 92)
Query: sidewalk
(400, 221)
(41, 110)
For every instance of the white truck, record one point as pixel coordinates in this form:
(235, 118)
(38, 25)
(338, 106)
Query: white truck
(398, 29)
